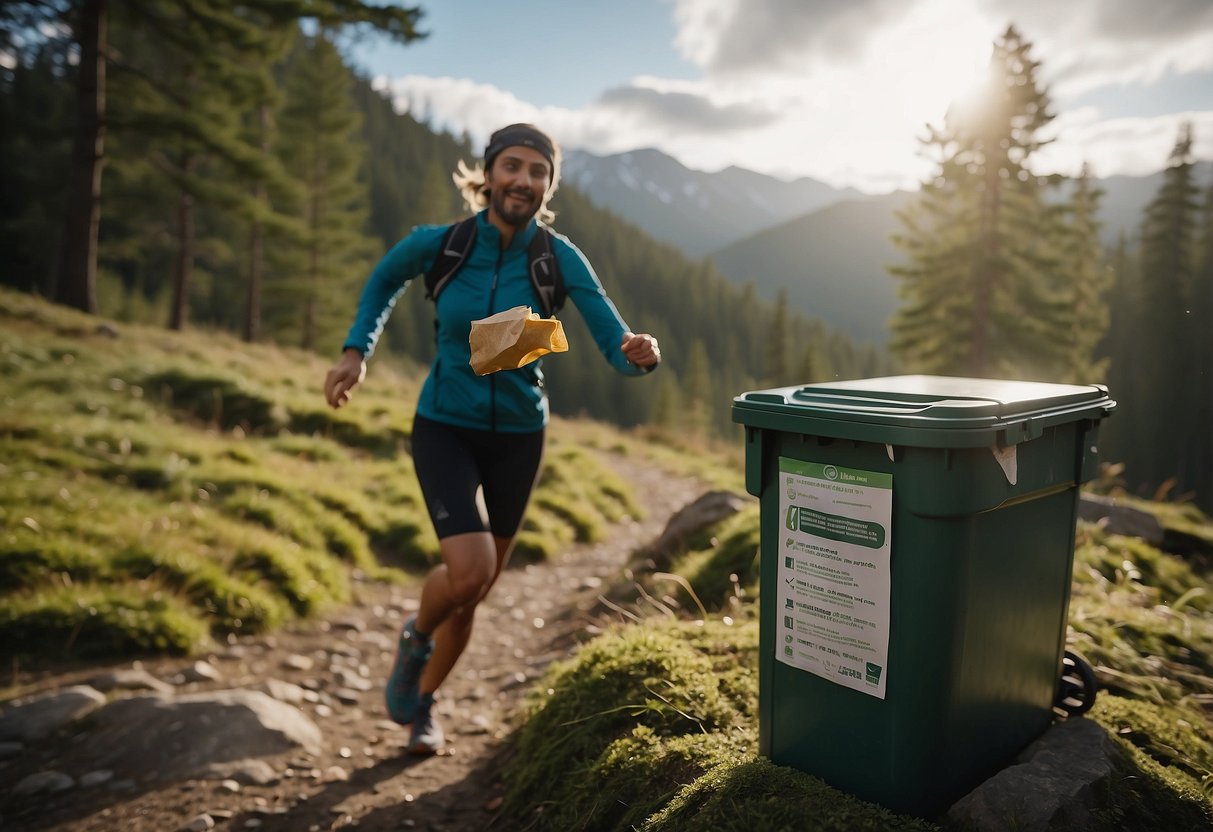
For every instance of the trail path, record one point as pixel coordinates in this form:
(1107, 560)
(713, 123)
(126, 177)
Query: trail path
(360, 778)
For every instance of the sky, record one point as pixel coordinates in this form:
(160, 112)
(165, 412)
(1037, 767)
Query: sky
(837, 90)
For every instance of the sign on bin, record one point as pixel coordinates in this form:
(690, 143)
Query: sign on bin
(834, 575)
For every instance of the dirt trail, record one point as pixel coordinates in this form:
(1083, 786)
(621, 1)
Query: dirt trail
(361, 778)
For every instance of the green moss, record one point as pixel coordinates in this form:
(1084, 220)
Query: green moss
(580, 752)
(28, 558)
(728, 572)
(93, 622)
(756, 794)
(216, 399)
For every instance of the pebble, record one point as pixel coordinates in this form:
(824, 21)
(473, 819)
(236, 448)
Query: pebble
(335, 773)
(96, 778)
(229, 786)
(44, 781)
(10, 749)
(347, 697)
(199, 671)
(298, 662)
(199, 824)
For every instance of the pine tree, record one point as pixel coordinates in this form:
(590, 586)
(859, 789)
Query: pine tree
(1087, 280)
(319, 145)
(1120, 348)
(980, 291)
(777, 362)
(173, 25)
(1201, 461)
(1168, 331)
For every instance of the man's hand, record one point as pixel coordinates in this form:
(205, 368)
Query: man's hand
(346, 374)
(641, 349)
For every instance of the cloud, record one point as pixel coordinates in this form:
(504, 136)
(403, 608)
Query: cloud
(1088, 44)
(1122, 146)
(684, 111)
(747, 37)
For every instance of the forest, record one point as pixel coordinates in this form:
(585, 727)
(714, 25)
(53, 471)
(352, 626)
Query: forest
(222, 165)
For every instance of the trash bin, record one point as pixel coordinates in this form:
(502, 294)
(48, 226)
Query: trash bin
(917, 544)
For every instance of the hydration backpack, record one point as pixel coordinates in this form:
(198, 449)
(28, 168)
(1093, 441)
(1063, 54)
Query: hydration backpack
(544, 268)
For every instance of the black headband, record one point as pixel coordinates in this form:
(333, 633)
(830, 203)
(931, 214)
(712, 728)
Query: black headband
(526, 135)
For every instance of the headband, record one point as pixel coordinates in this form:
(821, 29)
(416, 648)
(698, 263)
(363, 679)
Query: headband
(526, 135)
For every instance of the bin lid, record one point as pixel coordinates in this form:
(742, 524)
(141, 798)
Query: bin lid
(970, 411)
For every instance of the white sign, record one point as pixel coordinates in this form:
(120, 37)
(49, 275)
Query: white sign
(833, 577)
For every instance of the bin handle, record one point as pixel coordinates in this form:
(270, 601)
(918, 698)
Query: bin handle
(874, 405)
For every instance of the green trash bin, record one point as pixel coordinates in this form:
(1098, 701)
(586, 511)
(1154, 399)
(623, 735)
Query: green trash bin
(917, 544)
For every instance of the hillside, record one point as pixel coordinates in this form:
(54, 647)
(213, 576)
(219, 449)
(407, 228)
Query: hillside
(187, 535)
(833, 264)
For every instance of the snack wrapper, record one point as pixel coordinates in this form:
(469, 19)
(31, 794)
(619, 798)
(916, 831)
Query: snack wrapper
(513, 339)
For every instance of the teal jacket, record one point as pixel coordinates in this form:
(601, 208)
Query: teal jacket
(490, 281)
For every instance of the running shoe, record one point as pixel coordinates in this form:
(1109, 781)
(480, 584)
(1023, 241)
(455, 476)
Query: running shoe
(427, 737)
(403, 692)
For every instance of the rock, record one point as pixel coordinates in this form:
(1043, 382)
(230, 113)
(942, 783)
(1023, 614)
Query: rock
(1118, 518)
(298, 662)
(249, 772)
(347, 697)
(39, 717)
(354, 681)
(200, 671)
(10, 749)
(47, 782)
(161, 738)
(1055, 784)
(691, 519)
(130, 679)
(96, 778)
(199, 824)
(282, 691)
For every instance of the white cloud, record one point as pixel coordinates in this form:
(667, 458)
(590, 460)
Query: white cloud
(1129, 146)
(841, 90)
(1087, 44)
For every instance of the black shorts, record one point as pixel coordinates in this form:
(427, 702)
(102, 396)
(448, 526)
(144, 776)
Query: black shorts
(452, 463)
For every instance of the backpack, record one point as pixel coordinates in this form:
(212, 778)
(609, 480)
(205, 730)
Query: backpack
(544, 267)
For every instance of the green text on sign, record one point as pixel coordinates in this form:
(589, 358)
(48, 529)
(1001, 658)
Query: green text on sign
(835, 527)
(834, 473)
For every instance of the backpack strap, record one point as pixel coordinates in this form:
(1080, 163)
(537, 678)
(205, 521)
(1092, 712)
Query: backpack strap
(456, 244)
(545, 273)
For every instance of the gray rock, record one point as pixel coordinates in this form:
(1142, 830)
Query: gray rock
(280, 690)
(44, 782)
(96, 778)
(298, 662)
(244, 772)
(1054, 785)
(1118, 518)
(129, 679)
(39, 717)
(10, 749)
(350, 679)
(199, 824)
(161, 738)
(200, 671)
(691, 519)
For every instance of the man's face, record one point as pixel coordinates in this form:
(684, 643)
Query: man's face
(517, 181)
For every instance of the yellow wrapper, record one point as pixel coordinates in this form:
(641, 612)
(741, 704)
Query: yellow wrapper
(513, 339)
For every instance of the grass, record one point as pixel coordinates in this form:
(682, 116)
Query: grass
(600, 749)
(186, 486)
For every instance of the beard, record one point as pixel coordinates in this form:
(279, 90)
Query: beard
(516, 213)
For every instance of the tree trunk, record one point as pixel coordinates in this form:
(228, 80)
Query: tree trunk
(185, 252)
(77, 278)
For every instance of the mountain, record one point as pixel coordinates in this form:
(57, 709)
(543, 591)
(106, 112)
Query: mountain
(833, 263)
(1126, 197)
(695, 211)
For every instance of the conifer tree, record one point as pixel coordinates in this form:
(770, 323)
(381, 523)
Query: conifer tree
(1086, 282)
(777, 363)
(979, 293)
(1121, 348)
(1168, 258)
(1202, 356)
(320, 146)
(173, 24)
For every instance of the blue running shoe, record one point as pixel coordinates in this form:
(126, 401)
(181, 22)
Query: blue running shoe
(427, 737)
(403, 692)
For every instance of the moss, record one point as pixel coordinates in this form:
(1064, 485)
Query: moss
(582, 751)
(756, 794)
(730, 570)
(217, 399)
(94, 622)
(28, 558)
